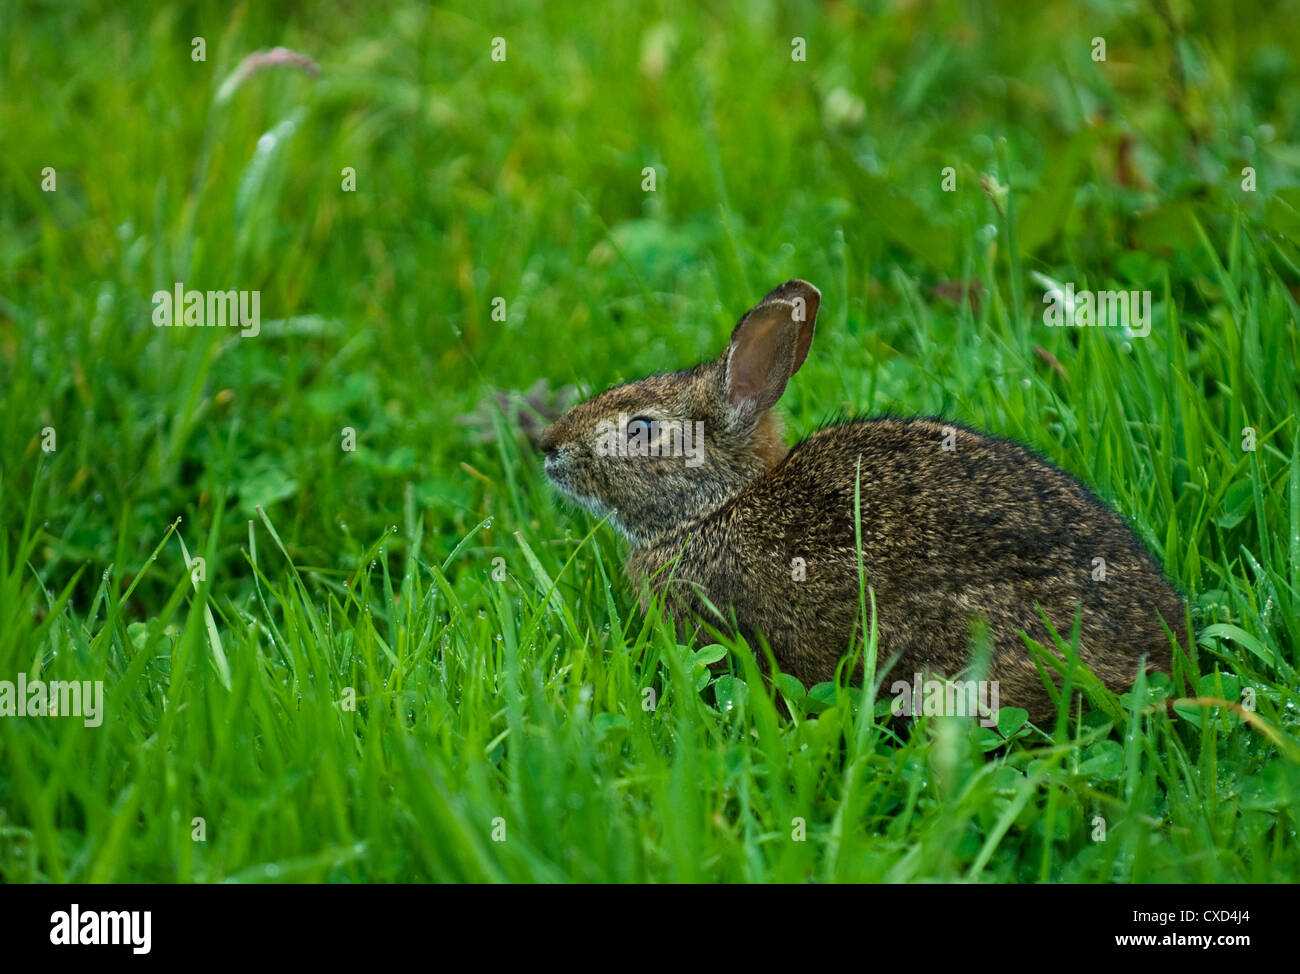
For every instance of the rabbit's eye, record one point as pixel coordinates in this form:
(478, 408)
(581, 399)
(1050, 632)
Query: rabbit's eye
(639, 427)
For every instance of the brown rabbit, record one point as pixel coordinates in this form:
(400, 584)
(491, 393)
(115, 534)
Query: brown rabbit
(956, 524)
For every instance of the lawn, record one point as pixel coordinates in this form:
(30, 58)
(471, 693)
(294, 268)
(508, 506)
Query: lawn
(345, 631)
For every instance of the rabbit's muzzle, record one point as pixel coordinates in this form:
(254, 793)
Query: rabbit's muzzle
(559, 469)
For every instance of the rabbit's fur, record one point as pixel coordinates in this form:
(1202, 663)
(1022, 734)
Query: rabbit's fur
(983, 528)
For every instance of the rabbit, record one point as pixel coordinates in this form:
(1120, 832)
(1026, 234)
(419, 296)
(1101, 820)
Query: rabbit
(693, 468)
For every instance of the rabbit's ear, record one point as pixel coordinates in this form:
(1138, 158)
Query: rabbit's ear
(802, 301)
(768, 346)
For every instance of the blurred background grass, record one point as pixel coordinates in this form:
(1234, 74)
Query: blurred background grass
(522, 179)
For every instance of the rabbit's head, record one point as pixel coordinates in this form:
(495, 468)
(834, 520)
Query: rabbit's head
(664, 450)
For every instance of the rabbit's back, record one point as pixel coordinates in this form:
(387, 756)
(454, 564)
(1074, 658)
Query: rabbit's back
(955, 525)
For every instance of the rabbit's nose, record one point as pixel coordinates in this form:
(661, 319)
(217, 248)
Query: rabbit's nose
(553, 465)
(550, 440)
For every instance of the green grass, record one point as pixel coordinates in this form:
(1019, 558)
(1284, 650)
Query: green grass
(484, 705)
